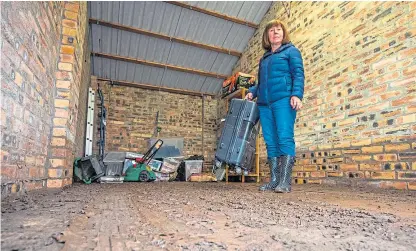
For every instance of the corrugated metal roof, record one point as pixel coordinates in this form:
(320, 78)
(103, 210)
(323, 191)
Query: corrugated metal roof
(250, 11)
(131, 72)
(175, 21)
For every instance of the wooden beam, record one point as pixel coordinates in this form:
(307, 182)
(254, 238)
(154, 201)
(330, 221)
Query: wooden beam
(154, 87)
(159, 65)
(215, 14)
(165, 37)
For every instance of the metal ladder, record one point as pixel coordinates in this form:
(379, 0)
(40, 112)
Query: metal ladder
(90, 123)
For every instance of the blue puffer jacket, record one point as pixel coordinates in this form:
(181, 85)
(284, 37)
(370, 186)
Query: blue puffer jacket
(280, 75)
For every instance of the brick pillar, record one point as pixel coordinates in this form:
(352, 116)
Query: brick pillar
(68, 79)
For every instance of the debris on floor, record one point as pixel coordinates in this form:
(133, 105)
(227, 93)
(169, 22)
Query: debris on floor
(209, 216)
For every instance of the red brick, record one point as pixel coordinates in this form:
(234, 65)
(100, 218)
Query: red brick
(62, 103)
(342, 145)
(303, 161)
(372, 149)
(412, 185)
(310, 168)
(64, 75)
(318, 174)
(59, 132)
(349, 167)
(67, 49)
(55, 173)
(404, 101)
(397, 147)
(405, 82)
(409, 71)
(74, 7)
(385, 157)
(389, 95)
(62, 94)
(60, 122)
(391, 113)
(71, 15)
(55, 183)
(361, 157)
(334, 174)
(60, 153)
(378, 89)
(361, 142)
(393, 184)
(63, 84)
(384, 62)
(58, 163)
(61, 113)
(34, 172)
(30, 160)
(66, 58)
(40, 160)
(407, 119)
(10, 171)
(351, 151)
(314, 181)
(33, 185)
(69, 23)
(69, 32)
(58, 141)
(65, 66)
(297, 168)
(406, 53)
(383, 175)
(407, 175)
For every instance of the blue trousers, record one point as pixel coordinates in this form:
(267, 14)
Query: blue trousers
(277, 122)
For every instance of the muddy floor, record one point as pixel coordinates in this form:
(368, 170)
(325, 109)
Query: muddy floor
(209, 216)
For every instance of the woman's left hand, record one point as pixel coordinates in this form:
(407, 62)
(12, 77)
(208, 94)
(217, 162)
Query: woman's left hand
(296, 103)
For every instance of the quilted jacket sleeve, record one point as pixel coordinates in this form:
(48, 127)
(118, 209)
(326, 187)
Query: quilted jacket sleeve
(254, 88)
(297, 72)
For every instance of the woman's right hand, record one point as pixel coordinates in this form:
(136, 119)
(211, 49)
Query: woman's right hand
(249, 96)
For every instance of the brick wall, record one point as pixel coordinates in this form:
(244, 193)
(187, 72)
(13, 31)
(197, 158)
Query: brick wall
(131, 115)
(72, 81)
(29, 57)
(358, 123)
(40, 92)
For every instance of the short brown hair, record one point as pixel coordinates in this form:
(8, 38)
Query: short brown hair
(275, 22)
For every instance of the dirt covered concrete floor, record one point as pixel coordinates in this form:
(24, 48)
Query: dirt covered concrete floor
(208, 216)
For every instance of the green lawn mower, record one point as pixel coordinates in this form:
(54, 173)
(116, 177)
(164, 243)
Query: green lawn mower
(139, 170)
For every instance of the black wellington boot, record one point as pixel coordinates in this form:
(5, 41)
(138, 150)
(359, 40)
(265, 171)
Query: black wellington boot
(274, 175)
(286, 165)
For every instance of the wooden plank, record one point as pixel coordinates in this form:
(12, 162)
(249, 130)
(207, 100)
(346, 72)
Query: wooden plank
(215, 14)
(159, 65)
(165, 37)
(155, 88)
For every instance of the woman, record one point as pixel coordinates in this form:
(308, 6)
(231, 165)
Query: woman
(279, 96)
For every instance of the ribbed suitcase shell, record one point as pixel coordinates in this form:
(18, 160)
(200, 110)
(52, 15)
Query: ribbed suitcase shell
(237, 143)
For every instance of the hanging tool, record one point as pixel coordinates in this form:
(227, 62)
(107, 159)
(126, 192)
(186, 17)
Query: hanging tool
(103, 122)
(157, 129)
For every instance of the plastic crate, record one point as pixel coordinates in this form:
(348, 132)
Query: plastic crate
(172, 147)
(192, 166)
(114, 162)
(170, 165)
